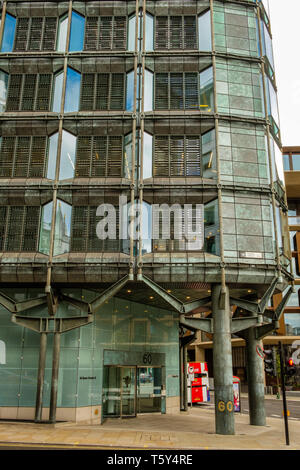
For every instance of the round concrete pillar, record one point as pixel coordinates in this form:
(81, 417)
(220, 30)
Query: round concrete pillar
(255, 373)
(222, 361)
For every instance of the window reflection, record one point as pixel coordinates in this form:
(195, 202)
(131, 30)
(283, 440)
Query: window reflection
(3, 90)
(211, 228)
(57, 92)
(8, 33)
(292, 320)
(148, 93)
(207, 90)
(149, 38)
(45, 228)
(52, 154)
(77, 32)
(147, 155)
(62, 34)
(277, 162)
(72, 91)
(68, 156)
(204, 27)
(130, 91)
(208, 148)
(62, 228)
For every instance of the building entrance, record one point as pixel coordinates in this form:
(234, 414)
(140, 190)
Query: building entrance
(128, 390)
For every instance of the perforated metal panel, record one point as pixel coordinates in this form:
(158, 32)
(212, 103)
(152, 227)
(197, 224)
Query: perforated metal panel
(7, 156)
(115, 151)
(87, 92)
(79, 228)
(14, 234)
(28, 95)
(31, 229)
(161, 91)
(105, 33)
(38, 156)
(35, 34)
(177, 91)
(83, 156)
(14, 92)
(176, 32)
(22, 157)
(177, 156)
(99, 156)
(3, 214)
(102, 92)
(117, 91)
(43, 92)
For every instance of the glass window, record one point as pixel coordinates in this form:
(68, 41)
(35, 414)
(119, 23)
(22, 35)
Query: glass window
(292, 322)
(68, 156)
(204, 29)
(208, 150)
(211, 228)
(296, 162)
(62, 228)
(77, 32)
(3, 90)
(286, 162)
(207, 90)
(279, 227)
(147, 157)
(52, 154)
(272, 101)
(8, 33)
(267, 44)
(57, 92)
(148, 91)
(45, 228)
(72, 91)
(131, 33)
(293, 241)
(62, 34)
(149, 39)
(277, 162)
(130, 91)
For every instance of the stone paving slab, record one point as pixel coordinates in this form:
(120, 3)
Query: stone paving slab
(186, 431)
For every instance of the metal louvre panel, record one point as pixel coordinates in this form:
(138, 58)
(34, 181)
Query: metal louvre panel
(99, 157)
(91, 34)
(105, 42)
(35, 35)
(176, 91)
(49, 38)
(83, 156)
(3, 213)
(115, 153)
(190, 32)
(28, 95)
(110, 244)
(192, 156)
(22, 157)
(176, 32)
(43, 92)
(14, 92)
(38, 157)
(161, 32)
(119, 35)
(102, 91)
(79, 228)
(31, 228)
(94, 244)
(14, 228)
(117, 91)
(7, 157)
(177, 160)
(21, 34)
(87, 92)
(161, 91)
(191, 81)
(161, 156)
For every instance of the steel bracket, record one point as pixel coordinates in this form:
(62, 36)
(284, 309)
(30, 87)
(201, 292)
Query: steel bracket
(51, 324)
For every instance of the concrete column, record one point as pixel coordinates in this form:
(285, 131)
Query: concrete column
(255, 372)
(54, 383)
(222, 362)
(40, 379)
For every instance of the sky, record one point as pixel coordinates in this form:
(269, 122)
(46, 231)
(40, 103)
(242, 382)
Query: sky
(284, 16)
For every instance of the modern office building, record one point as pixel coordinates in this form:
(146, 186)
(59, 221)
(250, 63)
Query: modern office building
(142, 200)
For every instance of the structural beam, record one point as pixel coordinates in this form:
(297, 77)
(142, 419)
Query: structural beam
(108, 293)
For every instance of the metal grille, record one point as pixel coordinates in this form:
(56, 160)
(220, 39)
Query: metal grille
(3, 213)
(14, 228)
(31, 229)
(176, 32)
(105, 33)
(177, 91)
(30, 92)
(7, 156)
(84, 235)
(22, 228)
(99, 156)
(177, 156)
(21, 34)
(22, 157)
(14, 92)
(35, 34)
(38, 157)
(102, 92)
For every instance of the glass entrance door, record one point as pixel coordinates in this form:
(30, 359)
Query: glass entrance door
(128, 391)
(149, 382)
(119, 391)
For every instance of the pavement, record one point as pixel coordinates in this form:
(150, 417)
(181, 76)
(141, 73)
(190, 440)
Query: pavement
(192, 430)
